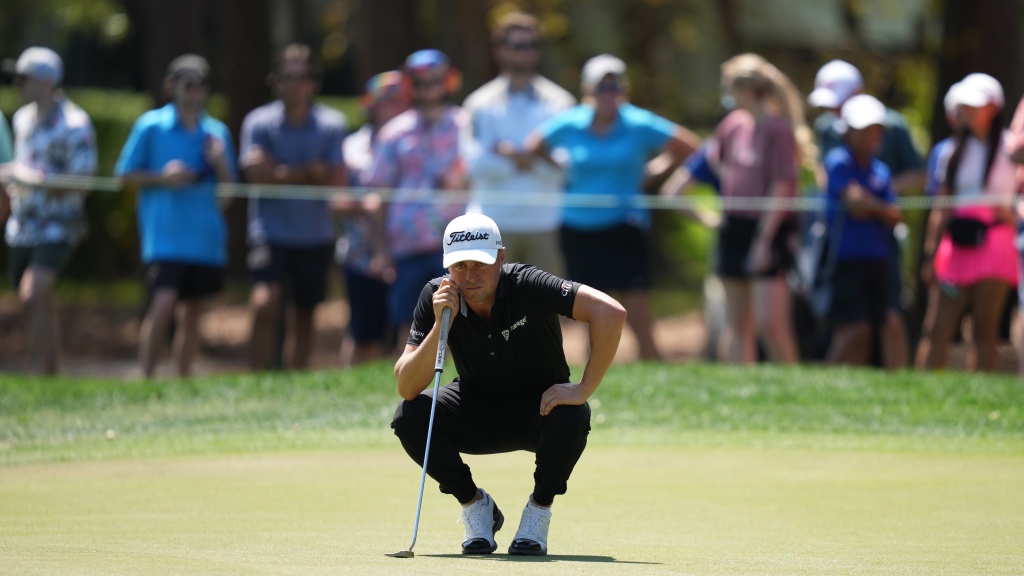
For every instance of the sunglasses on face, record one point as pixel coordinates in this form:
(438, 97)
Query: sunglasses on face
(288, 78)
(426, 82)
(193, 83)
(608, 88)
(523, 46)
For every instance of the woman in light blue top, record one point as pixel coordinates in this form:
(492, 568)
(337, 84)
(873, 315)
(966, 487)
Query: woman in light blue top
(610, 145)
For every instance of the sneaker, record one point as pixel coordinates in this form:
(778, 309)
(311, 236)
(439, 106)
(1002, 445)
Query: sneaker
(532, 537)
(482, 519)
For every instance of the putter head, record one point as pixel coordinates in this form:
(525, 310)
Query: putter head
(401, 554)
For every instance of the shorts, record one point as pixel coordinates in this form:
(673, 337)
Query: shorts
(53, 257)
(614, 259)
(860, 292)
(734, 240)
(191, 281)
(306, 268)
(413, 273)
(367, 303)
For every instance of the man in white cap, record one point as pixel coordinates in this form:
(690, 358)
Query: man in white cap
(514, 390)
(836, 82)
(52, 137)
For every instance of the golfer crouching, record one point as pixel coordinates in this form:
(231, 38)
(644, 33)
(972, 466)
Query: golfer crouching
(513, 390)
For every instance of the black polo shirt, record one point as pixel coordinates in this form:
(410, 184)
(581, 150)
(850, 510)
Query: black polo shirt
(518, 353)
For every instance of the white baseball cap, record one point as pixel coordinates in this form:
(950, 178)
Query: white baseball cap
(40, 63)
(978, 90)
(834, 83)
(598, 67)
(861, 111)
(471, 237)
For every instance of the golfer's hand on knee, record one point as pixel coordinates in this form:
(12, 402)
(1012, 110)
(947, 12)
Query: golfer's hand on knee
(569, 394)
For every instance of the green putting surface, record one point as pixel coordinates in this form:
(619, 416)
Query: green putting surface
(630, 510)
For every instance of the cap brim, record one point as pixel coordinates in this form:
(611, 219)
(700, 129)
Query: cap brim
(860, 125)
(823, 98)
(482, 256)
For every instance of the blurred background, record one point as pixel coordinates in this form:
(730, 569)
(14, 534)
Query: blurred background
(116, 51)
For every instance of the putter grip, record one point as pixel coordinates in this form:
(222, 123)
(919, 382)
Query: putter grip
(442, 341)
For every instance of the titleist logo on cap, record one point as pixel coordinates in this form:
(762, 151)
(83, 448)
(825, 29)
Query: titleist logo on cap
(466, 236)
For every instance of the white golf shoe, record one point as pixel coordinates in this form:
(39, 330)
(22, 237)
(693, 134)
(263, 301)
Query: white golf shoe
(481, 519)
(532, 537)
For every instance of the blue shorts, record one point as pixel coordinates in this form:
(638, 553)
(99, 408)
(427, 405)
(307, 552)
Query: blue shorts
(367, 304)
(413, 273)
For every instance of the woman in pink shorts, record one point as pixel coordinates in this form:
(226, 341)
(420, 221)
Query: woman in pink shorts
(975, 263)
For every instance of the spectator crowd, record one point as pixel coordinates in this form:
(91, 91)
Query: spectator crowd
(522, 150)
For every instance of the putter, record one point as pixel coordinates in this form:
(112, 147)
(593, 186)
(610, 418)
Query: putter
(442, 343)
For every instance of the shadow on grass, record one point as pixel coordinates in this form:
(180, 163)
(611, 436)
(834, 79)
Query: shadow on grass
(548, 558)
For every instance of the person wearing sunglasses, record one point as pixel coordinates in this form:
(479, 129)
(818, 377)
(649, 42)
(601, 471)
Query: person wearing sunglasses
(614, 148)
(53, 137)
(417, 156)
(504, 111)
(292, 141)
(175, 156)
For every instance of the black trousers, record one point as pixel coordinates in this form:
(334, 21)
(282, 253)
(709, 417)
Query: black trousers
(466, 423)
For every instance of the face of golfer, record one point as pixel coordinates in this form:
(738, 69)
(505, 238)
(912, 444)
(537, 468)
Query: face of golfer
(477, 282)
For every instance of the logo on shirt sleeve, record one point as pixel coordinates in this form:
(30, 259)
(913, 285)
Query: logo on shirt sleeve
(566, 287)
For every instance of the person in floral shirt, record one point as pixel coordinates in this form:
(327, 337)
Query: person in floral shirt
(417, 155)
(52, 138)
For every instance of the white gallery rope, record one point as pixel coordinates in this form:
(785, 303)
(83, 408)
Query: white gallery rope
(810, 203)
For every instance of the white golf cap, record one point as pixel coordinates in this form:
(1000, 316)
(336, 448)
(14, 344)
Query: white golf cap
(862, 111)
(834, 84)
(598, 67)
(471, 237)
(978, 90)
(40, 63)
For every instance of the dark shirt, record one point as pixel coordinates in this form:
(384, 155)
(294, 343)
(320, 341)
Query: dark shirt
(517, 354)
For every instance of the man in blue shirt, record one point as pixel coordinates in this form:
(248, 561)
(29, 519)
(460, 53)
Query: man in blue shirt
(291, 141)
(861, 209)
(175, 156)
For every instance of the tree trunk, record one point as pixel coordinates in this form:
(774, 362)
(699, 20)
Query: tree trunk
(384, 33)
(978, 36)
(166, 29)
(247, 55)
